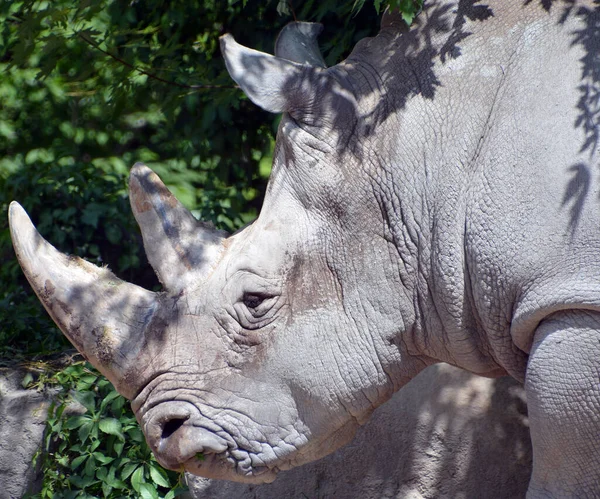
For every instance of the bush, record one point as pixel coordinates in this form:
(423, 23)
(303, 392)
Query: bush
(100, 453)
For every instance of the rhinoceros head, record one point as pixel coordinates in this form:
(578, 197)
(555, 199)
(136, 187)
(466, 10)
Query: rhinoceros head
(257, 355)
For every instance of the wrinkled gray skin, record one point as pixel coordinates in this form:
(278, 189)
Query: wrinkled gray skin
(434, 197)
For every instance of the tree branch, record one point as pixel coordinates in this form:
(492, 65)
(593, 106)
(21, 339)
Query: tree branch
(149, 75)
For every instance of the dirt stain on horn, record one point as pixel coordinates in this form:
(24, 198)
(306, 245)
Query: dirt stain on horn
(104, 345)
(142, 205)
(48, 290)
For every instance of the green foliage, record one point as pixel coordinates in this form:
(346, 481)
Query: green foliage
(100, 453)
(408, 8)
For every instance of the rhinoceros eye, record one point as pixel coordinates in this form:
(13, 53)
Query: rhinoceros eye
(256, 309)
(252, 301)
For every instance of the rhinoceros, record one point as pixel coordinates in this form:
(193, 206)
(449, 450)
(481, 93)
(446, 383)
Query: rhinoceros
(433, 198)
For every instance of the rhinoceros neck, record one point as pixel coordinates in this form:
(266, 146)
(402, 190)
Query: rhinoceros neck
(439, 100)
(421, 232)
(454, 161)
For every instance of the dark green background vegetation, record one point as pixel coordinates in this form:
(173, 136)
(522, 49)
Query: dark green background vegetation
(87, 89)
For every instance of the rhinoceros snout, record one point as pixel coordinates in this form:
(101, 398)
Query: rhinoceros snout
(175, 437)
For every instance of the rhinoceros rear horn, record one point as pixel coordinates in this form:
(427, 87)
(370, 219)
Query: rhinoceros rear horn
(275, 84)
(103, 316)
(180, 248)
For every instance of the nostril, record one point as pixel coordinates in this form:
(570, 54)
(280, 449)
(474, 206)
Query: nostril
(172, 426)
(177, 438)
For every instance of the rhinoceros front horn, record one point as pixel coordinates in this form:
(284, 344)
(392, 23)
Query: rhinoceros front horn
(103, 316)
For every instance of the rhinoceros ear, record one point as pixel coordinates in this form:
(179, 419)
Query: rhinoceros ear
(180, 248)
(297, 42)
(275, 84)
(103, 316)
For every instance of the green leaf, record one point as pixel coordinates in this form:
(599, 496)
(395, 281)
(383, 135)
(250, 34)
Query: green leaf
(102, 473)
(159, 476)
(94, 434)
(118, 447)
(136, 434)
(102, 458)
(85, 382)
(85, 430)
(111, 426)
(137, 478)
(76, 421)
(77, 462)
(109, 398)
(92, 213)
(148, 491)
(118, 404)
(86, 399)
(81, 482)
(113, 234)
(128, 469)
(90, 467)
(106, 489)
(112, 480)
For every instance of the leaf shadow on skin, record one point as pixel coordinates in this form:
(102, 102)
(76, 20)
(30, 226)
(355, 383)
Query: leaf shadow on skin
(576, 192)
(589, 101)
(467, 9)
(397, 62)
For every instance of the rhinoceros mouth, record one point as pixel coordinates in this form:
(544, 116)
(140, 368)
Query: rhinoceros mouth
(182, 437)
(226, 467)
(233, 463)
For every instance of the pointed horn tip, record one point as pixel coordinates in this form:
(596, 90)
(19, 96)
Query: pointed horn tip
(226, 38)
(146, 189)
(20, 225)
(139, 170)
(16, 213)
(143, 181)
(29, 243)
